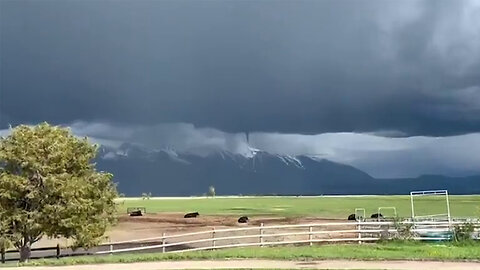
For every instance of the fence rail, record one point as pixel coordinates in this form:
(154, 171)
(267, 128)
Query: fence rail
(418, 223)
(359, 232)
(333, 232)
(56, 248)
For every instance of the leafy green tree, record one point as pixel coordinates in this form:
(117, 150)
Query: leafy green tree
(50, 187)
(146, 196)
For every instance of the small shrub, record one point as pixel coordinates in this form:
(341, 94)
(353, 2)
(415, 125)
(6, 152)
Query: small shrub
(4, 243)
(404, 231)
(146, 196)
(463, 233)
(211, 191)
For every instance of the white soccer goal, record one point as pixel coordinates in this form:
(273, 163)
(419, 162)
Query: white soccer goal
(425, 203)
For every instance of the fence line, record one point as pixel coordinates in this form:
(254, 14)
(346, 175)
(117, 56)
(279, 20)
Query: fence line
(249, 229)
(278, 243)
(444, 223)
(55, 248)
(261, 236)
(368, 227)
(359, 231)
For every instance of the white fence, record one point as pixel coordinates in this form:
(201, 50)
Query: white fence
(289, 234)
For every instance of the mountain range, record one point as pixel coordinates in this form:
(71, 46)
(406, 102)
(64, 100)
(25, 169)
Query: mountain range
(167, 172)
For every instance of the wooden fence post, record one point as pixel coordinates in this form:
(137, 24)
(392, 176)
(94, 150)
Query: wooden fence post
(310, 235)
(163, 243)
(3, 254)
(58, 251)
(359, 232)
(261, 234)
(111, 249)
(213, 237)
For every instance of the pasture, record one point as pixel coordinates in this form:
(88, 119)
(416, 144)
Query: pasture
(165, 216)
(289, 206)
(381, 251)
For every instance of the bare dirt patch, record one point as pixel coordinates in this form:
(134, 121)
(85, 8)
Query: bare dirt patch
(147, 230)
(155, 224)
(152, 225)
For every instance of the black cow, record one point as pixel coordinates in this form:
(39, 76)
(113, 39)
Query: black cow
(243, 219)
(136, 213)
(352, 217)
(191, 215)
(377, 216)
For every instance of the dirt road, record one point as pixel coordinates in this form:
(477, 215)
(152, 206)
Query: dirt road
(269, 264)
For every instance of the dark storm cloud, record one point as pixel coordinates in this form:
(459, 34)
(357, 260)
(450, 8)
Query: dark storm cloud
(286, 66)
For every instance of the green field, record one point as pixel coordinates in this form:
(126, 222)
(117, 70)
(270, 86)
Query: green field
(328, 207)
(381, 251)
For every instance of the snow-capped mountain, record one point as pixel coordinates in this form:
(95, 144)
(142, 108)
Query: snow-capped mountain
(167, 172)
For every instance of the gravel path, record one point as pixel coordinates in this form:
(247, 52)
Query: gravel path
(259, 264)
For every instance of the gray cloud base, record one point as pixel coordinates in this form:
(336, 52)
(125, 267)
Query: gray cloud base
(379, 156)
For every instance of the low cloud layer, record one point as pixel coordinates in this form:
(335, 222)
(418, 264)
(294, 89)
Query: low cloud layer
(379, 156)
(383, 156)
(179, 136)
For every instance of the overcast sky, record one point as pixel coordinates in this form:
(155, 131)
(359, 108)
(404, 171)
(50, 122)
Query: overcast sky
(300, 76)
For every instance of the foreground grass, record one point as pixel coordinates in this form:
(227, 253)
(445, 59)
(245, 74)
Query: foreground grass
(328, 207)
(382, 251)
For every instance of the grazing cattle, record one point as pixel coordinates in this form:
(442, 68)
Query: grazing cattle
(243, 219)
(136, 213)
(352, 217)
(376, 215)
(191, 215)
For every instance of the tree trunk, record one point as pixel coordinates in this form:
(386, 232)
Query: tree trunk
(25, 252)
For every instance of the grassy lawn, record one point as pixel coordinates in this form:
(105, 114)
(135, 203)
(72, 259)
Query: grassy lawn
(333, 207)
(382, 251)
